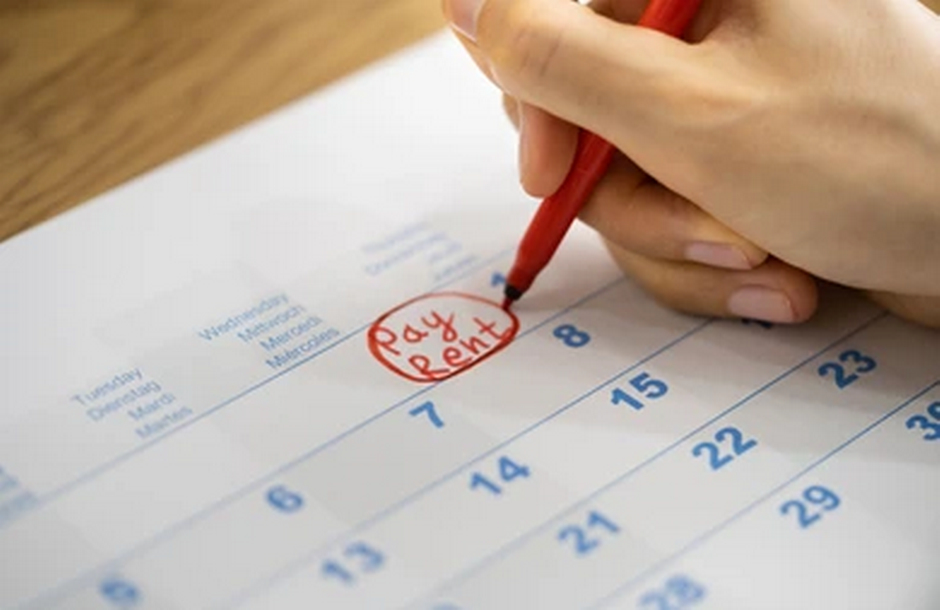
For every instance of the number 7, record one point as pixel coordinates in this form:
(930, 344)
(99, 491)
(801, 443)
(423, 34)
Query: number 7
(428, 408)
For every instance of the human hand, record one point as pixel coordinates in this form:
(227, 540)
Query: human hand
(769, 123)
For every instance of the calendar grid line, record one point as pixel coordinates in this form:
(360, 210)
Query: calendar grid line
(703, 538)
(470, 571)
(158, 538)
(92, 474)
(389, 510)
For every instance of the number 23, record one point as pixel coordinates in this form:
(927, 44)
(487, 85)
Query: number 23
(862, 364)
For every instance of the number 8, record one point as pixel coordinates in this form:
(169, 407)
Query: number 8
(571, 336)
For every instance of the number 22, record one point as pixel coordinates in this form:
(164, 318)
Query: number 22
(738, 446)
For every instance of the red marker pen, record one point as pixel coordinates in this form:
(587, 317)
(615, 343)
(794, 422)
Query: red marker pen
(558, 211)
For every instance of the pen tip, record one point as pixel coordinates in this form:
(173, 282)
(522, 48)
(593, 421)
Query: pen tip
(511, 294)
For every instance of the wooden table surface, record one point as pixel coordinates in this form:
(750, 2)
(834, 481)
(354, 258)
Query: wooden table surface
(94, 92)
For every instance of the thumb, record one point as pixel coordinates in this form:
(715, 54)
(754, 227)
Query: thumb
(590, 70)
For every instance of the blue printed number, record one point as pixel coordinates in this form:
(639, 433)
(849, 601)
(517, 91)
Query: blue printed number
(571, 336)
(508, 471)
(809, 509)
(285, 500)
(429, 410)
(716, 458)
(642, 384)
(846, 371)
(929, 423)
(497, 279)
(588, 537)
(358, 560)
(678, 593)
(120, 593)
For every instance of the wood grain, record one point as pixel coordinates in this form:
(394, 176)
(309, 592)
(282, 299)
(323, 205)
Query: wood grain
(94, 92)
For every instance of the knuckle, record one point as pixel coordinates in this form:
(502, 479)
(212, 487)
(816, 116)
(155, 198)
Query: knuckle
(718, 88)
(668, 294)
(732, 105)
(653, 278)
(538, 48)
(595, 215)
(614, 208)
(647, 219)
(524, 45)
(714, 107)
(511, 108)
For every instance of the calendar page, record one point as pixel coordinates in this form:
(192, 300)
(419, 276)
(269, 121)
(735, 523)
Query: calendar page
(275, 374)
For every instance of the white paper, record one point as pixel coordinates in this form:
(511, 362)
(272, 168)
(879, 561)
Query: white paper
(192, 416)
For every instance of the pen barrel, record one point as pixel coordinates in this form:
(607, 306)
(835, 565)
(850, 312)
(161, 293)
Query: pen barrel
(670, 17)
(557, 212)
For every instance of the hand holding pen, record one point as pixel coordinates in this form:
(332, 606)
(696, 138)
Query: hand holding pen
(779, 143)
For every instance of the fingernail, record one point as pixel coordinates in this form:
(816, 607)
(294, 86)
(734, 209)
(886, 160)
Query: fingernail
(759, 303)
(717, 255)
(462, 15)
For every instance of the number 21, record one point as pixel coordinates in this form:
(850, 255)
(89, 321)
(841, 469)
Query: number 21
(583, 541)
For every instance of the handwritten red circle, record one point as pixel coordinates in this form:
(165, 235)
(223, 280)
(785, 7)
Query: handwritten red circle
(376, 347)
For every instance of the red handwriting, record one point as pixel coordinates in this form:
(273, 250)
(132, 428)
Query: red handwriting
(439, 335)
